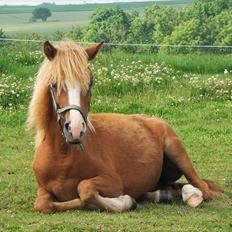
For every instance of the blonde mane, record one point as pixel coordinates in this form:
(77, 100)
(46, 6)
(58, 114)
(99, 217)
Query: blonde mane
(69, 65)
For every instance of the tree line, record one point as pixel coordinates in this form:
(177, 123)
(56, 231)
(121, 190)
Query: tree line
(207, 22)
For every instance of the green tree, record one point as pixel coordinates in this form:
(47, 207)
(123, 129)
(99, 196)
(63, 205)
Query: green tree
(210, 30)
(224, 28)
(110, 24)
(134, 14)
(187, 33)
(164, 20)
(140, 31)
(209, 8)
(225, 35)
(76, 33)
(58, 35)
(207, 22)
(41, 13)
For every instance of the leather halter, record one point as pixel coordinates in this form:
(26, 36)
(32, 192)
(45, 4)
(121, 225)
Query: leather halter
(59, 111)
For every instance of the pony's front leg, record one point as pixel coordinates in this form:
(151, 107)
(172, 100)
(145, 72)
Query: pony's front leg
(45, 203)
(105, 193)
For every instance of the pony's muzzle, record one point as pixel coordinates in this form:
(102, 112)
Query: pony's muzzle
(74, 135)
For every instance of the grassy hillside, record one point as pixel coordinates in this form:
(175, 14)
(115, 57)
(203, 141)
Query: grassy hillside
(62, 21)
(91, 7)
(15, 19)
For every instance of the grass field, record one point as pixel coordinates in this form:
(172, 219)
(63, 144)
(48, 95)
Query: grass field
(15, 19)
(60, 21)
(194, 96)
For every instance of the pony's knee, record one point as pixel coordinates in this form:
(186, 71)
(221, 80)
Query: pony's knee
(43, 206)
(86, 191)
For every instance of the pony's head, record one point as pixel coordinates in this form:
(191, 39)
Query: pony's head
(66, 78)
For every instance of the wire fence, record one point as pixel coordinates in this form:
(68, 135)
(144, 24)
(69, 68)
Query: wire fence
(125, 44)
(22, 44)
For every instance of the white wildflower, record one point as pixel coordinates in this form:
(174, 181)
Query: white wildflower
(226, 71)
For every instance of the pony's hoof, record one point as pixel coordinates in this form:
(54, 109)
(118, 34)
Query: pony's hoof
(191, 195)
(194, 201)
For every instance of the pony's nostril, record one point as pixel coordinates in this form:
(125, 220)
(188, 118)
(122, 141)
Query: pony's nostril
(67, 126)
(81, 134)
(83, 125)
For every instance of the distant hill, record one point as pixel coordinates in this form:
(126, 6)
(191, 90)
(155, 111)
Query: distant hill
(90, 7)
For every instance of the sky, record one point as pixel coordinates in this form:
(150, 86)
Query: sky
(37, 2)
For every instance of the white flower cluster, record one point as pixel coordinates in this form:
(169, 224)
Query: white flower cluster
(136, 74)
(14, 92)
(215, 86)
(118, 78)
(29, 58)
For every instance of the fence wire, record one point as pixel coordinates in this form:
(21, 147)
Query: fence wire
(125, 44)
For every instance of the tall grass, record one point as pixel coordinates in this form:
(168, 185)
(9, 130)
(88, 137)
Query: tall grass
(199, 63)
(118, 73)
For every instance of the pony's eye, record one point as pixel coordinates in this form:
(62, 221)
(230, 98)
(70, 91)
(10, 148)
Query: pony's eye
(54, 87)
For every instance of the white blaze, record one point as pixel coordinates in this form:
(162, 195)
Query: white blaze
(75, 117)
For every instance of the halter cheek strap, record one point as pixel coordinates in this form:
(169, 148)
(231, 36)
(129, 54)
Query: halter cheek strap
(67, 136)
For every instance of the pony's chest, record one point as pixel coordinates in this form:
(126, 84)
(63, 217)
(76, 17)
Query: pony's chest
(63, 189)
(59, 178)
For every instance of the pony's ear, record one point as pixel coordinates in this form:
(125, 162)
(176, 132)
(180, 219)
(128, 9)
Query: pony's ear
(49, 50)
(92, 51)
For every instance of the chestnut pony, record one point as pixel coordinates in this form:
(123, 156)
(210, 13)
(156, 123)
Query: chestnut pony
(97, 161)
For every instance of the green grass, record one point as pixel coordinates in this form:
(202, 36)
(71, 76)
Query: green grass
(191, 63)
(203, 123)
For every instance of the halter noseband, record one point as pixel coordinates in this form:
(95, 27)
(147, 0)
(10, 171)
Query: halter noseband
(59, 111)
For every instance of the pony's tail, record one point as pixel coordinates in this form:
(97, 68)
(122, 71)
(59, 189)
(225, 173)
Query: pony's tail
(214, 188)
